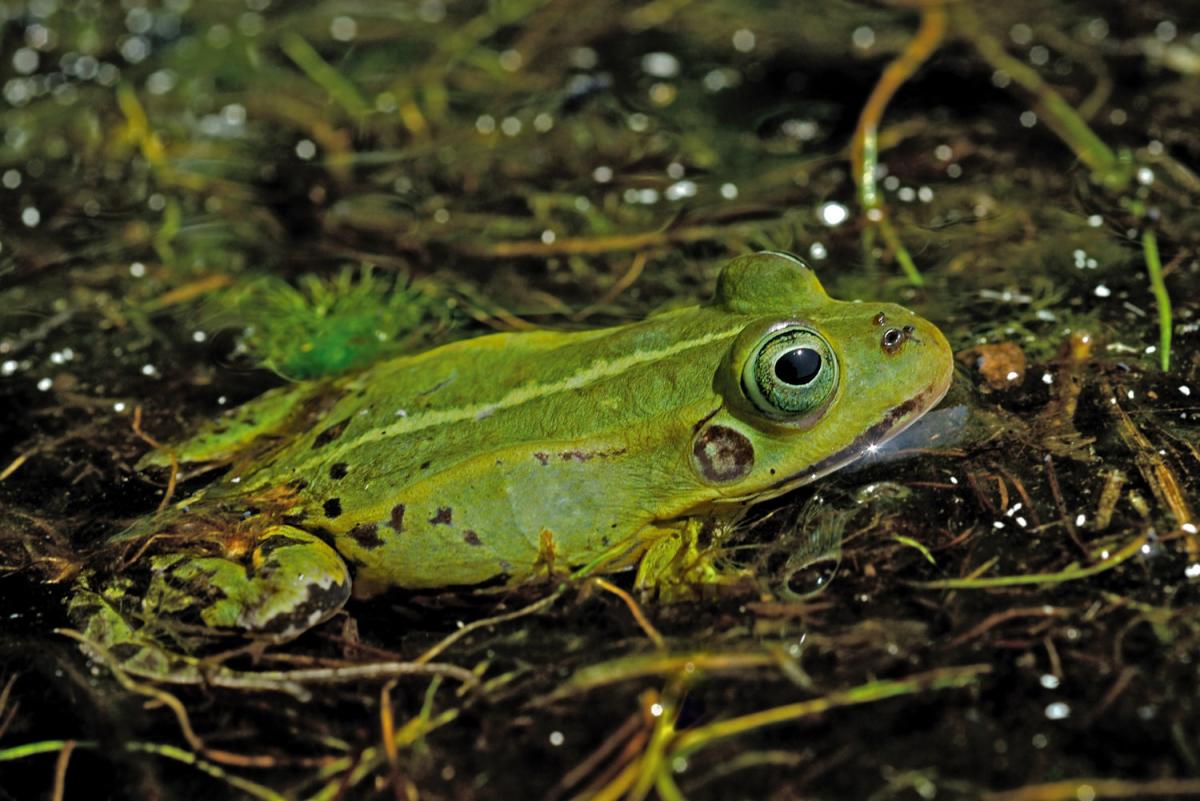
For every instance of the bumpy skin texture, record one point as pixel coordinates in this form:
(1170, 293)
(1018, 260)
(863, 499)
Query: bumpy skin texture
(486, 459)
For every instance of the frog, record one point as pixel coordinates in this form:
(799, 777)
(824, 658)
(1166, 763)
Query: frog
(492, 461)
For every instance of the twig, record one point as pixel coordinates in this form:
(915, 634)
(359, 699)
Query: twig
(173, 476)
(60, 770)
(533, 608)
(634, 609)
(864, 148)
(1071, 789)
(1070, 573)
(1162, 300)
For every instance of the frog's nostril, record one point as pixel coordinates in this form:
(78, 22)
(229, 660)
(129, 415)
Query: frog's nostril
(893, 339)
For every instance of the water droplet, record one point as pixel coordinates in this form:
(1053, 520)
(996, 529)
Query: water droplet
(1021, 34)
(343, 28)
(680, 189)
(660, 65)
(812, 578)
(1058, 711)
(833, 213)
(744, 40)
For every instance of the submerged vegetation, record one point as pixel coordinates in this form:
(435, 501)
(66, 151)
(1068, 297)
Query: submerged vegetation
(202, 200)
(322, 326)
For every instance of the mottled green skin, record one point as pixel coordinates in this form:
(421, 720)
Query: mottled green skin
(486, 458)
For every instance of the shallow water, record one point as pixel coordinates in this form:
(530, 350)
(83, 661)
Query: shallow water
(1014, 607)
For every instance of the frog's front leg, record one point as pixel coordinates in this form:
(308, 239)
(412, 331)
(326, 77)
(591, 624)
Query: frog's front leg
(682, 560)
(289, 581)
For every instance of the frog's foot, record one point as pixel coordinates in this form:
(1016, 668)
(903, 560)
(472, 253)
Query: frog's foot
(682, 562)
(290, 582)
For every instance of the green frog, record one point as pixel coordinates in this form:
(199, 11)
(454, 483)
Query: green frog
(497, 459)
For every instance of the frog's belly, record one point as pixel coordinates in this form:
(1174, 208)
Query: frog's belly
(536, 515)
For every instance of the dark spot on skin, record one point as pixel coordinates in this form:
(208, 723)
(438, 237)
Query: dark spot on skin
(425, 465)
(544, 458)
(298, 485)
(893, 340)
(333, 507)
(879, 319)
(323, 600)
(398, 517)
(772, 471)
(443, 517)
(720, 454)
(338, 470)
(330, 434)
(366, 535)
(293, 520)
(587, 456)
(323, 534)
(273, 543)
(471, 538)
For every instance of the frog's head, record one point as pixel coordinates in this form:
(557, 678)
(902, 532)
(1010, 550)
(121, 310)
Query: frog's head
(810, 384)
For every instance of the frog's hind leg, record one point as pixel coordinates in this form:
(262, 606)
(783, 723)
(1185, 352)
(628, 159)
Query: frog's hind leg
(288, 582)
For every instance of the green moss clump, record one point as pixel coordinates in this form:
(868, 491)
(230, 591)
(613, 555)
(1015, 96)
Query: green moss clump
(324, 326)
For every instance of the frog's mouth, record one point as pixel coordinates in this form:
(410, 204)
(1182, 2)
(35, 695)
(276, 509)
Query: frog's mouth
(894, 422)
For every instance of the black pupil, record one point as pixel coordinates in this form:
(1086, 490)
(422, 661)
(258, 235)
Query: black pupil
(798, 367)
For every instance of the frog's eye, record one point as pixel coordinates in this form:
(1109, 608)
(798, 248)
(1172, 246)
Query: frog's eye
(791, 373)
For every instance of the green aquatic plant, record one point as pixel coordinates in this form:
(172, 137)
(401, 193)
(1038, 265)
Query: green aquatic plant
(324, 326)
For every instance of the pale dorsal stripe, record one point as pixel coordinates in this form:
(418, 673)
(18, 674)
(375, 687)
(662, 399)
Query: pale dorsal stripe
(596, 371)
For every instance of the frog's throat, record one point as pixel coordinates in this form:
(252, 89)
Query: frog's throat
(895, 421)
